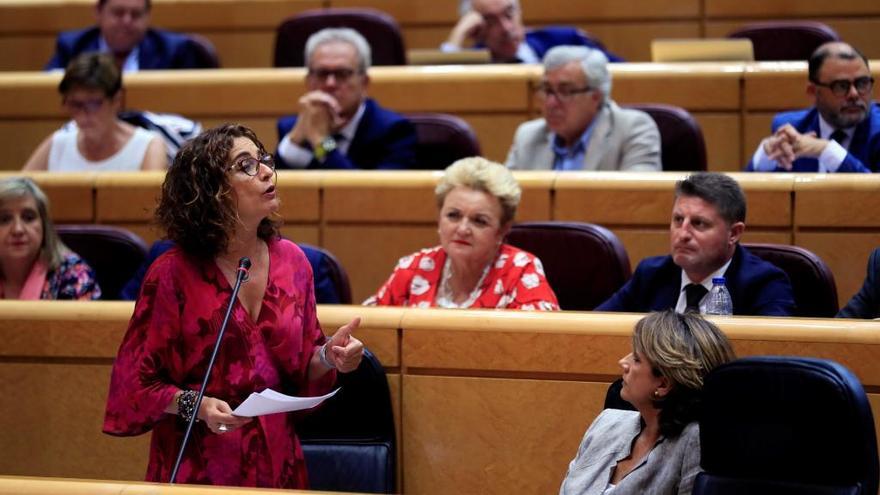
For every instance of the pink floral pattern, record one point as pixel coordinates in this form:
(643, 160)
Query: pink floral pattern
(167, 346)
(515, 281)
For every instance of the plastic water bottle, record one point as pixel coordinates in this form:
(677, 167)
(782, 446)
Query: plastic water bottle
(719, 302)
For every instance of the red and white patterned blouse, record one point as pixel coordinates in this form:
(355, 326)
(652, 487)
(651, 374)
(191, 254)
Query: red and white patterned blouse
(515, 280)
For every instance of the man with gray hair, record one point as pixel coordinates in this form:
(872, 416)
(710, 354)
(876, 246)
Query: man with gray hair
(338, 127)
(497, 26)
(582, 128)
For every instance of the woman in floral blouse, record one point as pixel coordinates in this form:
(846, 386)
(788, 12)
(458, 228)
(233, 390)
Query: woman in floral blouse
(472, 267)
(34, 263)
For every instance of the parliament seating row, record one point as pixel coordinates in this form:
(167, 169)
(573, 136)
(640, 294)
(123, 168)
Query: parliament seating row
(477, 395)
(732, 102)
(370, 219)
(244, 32)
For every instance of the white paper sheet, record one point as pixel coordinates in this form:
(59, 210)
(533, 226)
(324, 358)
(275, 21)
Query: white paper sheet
(270, 402)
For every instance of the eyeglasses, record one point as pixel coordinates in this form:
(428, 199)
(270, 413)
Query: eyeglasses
(841, 87)
(340, 75)
(250, 165)
(563, 94)
(87, 106)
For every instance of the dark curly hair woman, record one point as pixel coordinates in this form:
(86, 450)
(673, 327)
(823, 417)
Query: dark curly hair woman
(656, 448)
(219, 204)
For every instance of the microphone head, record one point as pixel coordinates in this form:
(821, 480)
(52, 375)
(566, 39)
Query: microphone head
(244, 265)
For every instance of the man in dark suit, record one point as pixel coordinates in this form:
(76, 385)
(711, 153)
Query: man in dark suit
(338, 127)
(708, 219)
(841, 133)
(123, 29)
(866, 303)
(497, 25)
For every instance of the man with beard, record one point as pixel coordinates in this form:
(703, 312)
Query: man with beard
(841, 133)
(497, 26)
(582, 128)
(708, 220)
(123, 30)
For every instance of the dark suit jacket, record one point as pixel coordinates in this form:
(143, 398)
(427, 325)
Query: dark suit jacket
(542, 40)
(866, 303)
(864, 148)
(383, 140)
(325, 291)
(756, 287)
(159, 49)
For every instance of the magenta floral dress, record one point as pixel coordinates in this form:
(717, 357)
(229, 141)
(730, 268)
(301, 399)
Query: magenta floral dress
(167, 347)
(514, 280)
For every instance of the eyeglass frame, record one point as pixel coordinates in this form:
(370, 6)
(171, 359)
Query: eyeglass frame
(89, 106)
(265, 159)
(850, 83)
(340, 75)
(541, 91)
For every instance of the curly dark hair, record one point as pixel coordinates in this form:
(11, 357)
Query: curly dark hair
(197, 209)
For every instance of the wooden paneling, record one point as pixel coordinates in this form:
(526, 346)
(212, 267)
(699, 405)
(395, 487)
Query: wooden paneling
(370, 253)
(836, 200)
(532, 396)
(472, 434)
(721, 132)
(846, 253)
(632, 40)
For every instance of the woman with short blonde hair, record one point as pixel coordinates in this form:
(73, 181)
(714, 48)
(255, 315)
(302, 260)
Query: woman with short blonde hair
(472, 267)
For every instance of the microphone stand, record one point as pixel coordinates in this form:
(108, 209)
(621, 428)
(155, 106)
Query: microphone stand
(244, 265)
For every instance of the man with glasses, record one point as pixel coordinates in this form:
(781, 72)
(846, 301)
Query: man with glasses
(841, 133)
(338, 127)
(497, 26)
(123, 30)
(582, 128)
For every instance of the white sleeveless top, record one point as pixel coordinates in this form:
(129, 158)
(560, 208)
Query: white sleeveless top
(65, 157)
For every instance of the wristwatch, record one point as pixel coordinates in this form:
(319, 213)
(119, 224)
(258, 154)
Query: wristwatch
(324, 148)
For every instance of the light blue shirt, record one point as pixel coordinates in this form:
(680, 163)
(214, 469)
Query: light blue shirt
(572, 157)
(132, 62)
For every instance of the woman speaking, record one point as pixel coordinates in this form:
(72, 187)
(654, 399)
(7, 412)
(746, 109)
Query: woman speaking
(218, 205)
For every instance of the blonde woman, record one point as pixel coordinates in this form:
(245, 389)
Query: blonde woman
(34, 263)
(472, 267)
(656, 448)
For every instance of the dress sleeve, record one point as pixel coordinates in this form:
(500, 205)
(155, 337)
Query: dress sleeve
(141, 384)
(533, 291)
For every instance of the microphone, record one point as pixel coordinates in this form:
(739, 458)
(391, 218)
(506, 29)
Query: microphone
(244, 264)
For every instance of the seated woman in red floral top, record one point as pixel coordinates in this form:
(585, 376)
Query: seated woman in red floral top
(472, 267)
(34, 263)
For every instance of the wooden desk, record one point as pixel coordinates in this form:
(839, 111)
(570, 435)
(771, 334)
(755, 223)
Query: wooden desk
(494, 99)
(244, 32)
(466, 417)
(370, 219)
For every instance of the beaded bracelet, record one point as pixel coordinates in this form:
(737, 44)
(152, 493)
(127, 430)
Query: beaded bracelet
(186, 404)
(322, 354)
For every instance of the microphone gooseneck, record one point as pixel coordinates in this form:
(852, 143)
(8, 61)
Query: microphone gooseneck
(244, 264)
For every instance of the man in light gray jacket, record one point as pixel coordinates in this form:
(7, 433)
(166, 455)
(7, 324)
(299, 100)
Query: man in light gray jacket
(582, 128)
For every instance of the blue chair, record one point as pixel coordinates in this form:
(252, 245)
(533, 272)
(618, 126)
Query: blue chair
(786, 425)
(349, 443)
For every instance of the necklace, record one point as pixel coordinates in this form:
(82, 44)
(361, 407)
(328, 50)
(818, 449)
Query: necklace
(444, 298)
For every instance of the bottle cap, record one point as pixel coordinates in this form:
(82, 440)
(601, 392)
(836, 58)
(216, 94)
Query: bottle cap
(717, 280)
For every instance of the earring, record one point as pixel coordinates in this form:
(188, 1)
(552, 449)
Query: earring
(656, 395)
